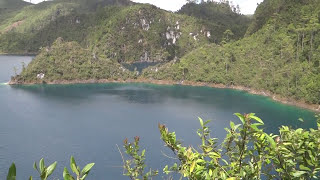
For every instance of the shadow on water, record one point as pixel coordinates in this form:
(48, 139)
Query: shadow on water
(128, 93)
(224, 101)
(140, 93)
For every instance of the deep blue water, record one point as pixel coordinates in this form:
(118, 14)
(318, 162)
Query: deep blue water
(88, 120)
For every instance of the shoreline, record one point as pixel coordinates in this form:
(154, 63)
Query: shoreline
(274, 97)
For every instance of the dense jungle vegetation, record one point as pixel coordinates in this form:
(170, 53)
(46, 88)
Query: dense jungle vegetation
(8, 8)
(280, 53)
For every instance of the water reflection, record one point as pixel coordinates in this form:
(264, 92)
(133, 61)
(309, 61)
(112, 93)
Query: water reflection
(217, 100)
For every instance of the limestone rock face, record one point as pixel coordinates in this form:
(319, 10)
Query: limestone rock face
(145, 33)
(173, 33)
(208, 34)
(40, 76)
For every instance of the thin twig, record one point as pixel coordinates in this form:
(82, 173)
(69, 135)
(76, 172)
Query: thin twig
(168, 156)
(121, 157)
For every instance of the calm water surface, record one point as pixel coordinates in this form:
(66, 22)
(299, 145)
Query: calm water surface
(87, 121)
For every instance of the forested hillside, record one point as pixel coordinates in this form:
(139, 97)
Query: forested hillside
(9, 7)
(219, 17)
(146, 33)
(279, 51)
(282, 56)
(65, 61)
(12, 4)
(119, 33)
(131, 32)
(40, 25)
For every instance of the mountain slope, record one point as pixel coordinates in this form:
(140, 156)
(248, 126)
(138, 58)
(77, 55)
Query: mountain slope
(8, 8)
(218, 17)
(26, 32)
(67, 61)
(145, 33)
(116, 34)
(13, 4)
(282, 57)
(39, 25)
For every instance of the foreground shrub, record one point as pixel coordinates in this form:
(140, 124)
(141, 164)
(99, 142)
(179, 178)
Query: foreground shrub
(247, 152)
(45, 172)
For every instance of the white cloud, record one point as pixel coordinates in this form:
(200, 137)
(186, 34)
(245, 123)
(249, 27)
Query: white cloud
(34, 1)
(171, 5)
(246, 6)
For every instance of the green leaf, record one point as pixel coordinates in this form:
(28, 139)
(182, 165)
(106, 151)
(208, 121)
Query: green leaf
(298, 173)
(302, 167)
(166, 170)
(84, 177)
(35, 167)
(271, 141)
(237, 126)
(201, 122)
(66, 174)
(73, 166)
(192, 166)
(87, 168)
(51, 168)
(214, 155)
(241, 117)
(253, 126)
(12, 172)
(205, 123)
(30, 178)
(257, 119)
(232, 125)
(226, 162)
(41, 165)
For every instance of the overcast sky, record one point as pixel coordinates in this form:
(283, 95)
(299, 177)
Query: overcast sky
(246, 6)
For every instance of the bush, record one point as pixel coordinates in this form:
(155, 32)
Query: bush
(247, 152)
(45, 172)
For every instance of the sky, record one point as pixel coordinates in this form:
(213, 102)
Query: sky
(246, 6)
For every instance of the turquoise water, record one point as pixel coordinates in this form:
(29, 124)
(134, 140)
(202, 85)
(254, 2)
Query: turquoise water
(88, 120)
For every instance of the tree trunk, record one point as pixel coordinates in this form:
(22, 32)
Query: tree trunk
(302, 41)
(311, 46)
(281, 51)
(298, 46)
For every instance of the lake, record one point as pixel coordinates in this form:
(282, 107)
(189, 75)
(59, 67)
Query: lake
(89, 120)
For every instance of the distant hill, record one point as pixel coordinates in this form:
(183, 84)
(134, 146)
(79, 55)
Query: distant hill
(218, 17)
(84, 20)
(40, 25)
(146, 33)
(9, 7)
(13, 4)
